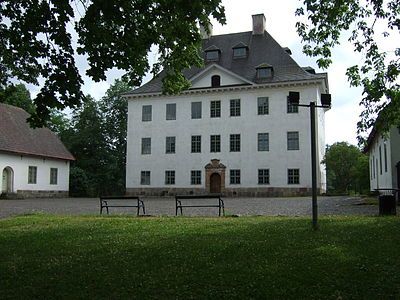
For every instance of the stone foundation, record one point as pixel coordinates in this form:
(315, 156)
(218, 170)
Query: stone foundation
(22, 194)
(228, 192)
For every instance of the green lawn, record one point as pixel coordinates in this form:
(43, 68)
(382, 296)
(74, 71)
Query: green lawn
(179, 258)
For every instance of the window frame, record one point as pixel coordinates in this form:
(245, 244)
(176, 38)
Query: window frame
(234, 107)
(53, 178)
(147, 116)
(234, 143)
(262, 109)
(146, 139)
(263, 176)
(145, 177)
(292, 177)
(234, 176)
(196, 114)
(195, 177)
(215, 143)
(260, 140)
(291, 109)
(169, 177)
(32, 174)
(196, 144)
(237, 54)
(170, 145)
(210, 57)
(293, 144)
(215, 109)
(168, 115)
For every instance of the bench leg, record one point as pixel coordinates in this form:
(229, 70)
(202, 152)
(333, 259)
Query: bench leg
(101, 210)
(107, 210)
(144, 211)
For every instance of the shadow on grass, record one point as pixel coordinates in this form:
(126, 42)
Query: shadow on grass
(251, 257)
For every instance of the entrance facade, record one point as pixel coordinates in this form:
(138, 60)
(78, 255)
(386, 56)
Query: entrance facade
(7, 180)
(215, 177)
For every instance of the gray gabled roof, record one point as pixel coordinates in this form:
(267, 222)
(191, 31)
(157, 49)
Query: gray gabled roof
(263, 49)
(17, 137)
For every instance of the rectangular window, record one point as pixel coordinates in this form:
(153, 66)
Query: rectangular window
(169, 177)
(385, 154)
(263, 176)
(235, 107)
(235, 142)
(234, 176)
(215, 109)
(170, 145)
(53, 175)
(263, 107)
(293, 176)
(195, 177)
(212, 55)
(146, 113)
(196, 143)
(239, 52)
(32, 174)
(292, 109)
(196, 110)
(380, 159)
(171, 111)
(146, 145)
(293, 140)
(215, 143)
(145, 177)
(263, 141)
(373, 165)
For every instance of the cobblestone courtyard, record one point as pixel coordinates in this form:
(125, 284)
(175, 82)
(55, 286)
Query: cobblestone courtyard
(300, 206)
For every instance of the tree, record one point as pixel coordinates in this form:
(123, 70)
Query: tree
(17, 95)
(35, 43)
(347, 168)
(379, 72)
(114, 108)
(87, 142)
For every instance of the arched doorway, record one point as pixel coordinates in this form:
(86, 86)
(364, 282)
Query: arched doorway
(215, 177)
(7, 180)
(215, 183)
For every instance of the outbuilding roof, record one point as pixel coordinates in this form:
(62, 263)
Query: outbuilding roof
(263, 49)
(16, 136)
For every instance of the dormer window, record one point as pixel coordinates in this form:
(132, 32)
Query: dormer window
(240, 50)
(212, 53)
(264, 71)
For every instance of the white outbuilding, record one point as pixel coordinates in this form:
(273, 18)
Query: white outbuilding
(33, 162)
(233, 131)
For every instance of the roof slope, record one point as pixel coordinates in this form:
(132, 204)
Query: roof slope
(263, 49)
(18, 137)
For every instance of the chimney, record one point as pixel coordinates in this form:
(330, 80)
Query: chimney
(203, 32)
(258, 24)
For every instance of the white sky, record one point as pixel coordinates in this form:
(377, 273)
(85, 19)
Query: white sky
(280, 23)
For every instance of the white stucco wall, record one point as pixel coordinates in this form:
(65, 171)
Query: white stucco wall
(277, 123)
(380, 177)
(20, 164)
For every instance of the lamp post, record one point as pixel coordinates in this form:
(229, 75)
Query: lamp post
(294, 99)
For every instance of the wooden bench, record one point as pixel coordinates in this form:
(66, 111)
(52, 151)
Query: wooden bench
(105, 203)
(179, 205)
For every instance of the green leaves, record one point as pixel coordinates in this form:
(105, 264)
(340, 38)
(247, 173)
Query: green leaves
(321, 27)
(35, 43)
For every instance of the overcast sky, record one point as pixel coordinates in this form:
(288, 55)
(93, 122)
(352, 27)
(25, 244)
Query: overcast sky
(280, 23)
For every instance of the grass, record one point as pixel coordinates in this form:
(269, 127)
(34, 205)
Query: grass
(204, 258)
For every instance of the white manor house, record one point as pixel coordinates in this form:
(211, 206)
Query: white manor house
(233, 131)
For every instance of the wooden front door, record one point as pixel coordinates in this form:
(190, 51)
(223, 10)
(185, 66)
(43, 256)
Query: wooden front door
(215, 183)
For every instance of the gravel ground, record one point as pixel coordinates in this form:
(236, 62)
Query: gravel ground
(297, 206)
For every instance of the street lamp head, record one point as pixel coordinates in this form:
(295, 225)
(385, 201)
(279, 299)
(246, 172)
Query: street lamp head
(294, 98)
(326, 100)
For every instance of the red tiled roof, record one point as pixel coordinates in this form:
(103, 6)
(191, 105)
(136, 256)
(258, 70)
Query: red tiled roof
(16, 136)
